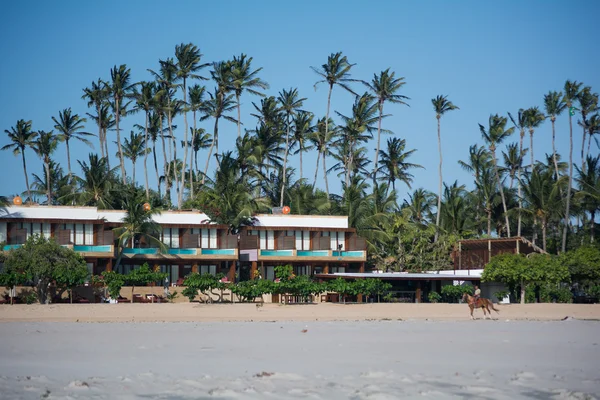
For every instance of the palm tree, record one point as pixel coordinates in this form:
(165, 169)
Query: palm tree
(105, 121)
(420, 204)
(70, 127)
(134, 148)
(593, 128)
(120, 88)
(243, 78)
(44, 146)
(303, 128)
(146, 99)
(554, 106)
(571, 93)
(513, 160)
(385, 87)
(335, 72)
(521, 124)
(95, 184)
(220, 103)
(393, 163)
(441, 105)
(202, 141)
(588, 102)
(493, 136)
(188, 62)
(56, 181)
(196, 104)
(533, 119)
(588, 180)
(290, 105)
(97, 95)
(322, 139)
(21, 137)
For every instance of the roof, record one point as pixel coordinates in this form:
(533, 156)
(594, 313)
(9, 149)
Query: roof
(402, 276)
(498, 243)
(301, 221)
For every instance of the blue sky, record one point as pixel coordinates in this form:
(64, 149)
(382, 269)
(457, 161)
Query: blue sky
(488, 57)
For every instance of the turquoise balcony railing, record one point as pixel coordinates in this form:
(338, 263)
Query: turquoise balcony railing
(313, 253)
(186, 252)
(348, 253)
(277, 253)
(140, 251)
(93, 249)
(217, 252)
(8, 247)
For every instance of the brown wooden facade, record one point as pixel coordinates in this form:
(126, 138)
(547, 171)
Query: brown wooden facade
(476, 253)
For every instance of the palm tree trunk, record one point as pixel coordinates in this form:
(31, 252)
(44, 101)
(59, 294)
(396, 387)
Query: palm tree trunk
(68, 159)
(522, 292)
(212, 144)
(501, 192)
(121, 160)
(133, 169)
(25, 172)
(592, 226)
(100, 138)
(327, 130)
(489, 222)
(145, 158)
(174, 161)
(439, 202)
(583, 148)
(106, 151)
(568, 206)
(317, 169)
(287, 147)
(156, 168)
(531, 147)
(378, 142)
(239, 121)
(554, 151)
(325, 175)
(301, 151)
(164, 150)
(185, 145)
(519, 219)
(544, 227)
(48, 185)
(192, 157)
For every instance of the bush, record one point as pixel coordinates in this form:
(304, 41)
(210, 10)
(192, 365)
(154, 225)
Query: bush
(29, 297)
(560, 295)
(453, 293)
(594, 292)
(501, 295)
(172, 296)
(190, 292)
(434, 297)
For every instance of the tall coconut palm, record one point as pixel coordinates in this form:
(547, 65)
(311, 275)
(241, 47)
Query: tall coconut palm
(146, 99)
(554, 106)
(134, 148)
(593, 128)
(120, 88)
(97, 95)
(188, 63)
(290, 102)
(243, 78)
(533, 119)
(44, 146)
(513, 161)
(96, 184)
(303, 128)
(494, 135)
(588, 103)
(322, 139)
(70, 126)
(394, 163)
(21, 137)
(521, 124)
(385, 87)
(220, 103)
(588, 179)
(335, 72)
(441, 105)
(196, 104)
(571, 90)
(420, 204)
(105, 121)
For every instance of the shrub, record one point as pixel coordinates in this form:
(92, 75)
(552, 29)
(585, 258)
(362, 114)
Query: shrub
(594, 292)
(172, 296)
(453, 293)
(560, 295)
(190, 292)
(434, 297)
(501, 295)
(29, 297)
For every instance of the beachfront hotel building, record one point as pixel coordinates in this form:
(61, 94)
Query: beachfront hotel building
(312, 244)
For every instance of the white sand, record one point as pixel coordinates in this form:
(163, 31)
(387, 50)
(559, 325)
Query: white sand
(331, 360)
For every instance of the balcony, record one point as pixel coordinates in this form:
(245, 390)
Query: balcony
(8, 247)
(84, 250)
(181, 253)
(312, 255)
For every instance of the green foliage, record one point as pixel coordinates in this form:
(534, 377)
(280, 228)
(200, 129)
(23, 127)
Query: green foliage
(514, 269)
(190, 292)
(113, 281)
(143, 276)
(29, 298)
(201, 283)
(247, 290)
(371, 287)
(594, 292)
(453, 293)
(583, 264)
(434, 297)
(283, 272)
(41, 261)
(341, 286)
(560, 295)
(501, 294)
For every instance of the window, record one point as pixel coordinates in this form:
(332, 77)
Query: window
(267, 240)
(336, 239)
(208, 269)
(302, 240)
(302, 270)
(333, 270)
(171, 237)
(35, 228)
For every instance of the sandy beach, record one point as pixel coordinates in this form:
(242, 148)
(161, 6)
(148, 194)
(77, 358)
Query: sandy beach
(195, 312)
(325, 351)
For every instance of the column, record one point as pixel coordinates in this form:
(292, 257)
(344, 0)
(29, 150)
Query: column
(195, 268)
(109, 264)
(231, 274)
(253, 270)
(326, 269)
(362, 268)
(418, 293)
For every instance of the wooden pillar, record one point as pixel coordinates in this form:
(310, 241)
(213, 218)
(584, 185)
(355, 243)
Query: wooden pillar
(518, 247)
(253, 269)
(231, 274)
(195, 268)
(156, 268)
(418, 293)
(459, 255)
(262, 269)
(489, 251)
(362, 268)
(326, 269)
(109, 264)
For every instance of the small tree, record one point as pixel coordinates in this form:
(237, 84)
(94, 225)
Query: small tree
(199, 283)
(11, 280)
(583, 264)
(516, 269)
(453, 293)
(342, 287)
(71, 273)
(143, 276)
(40, 259)
(113, 281)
